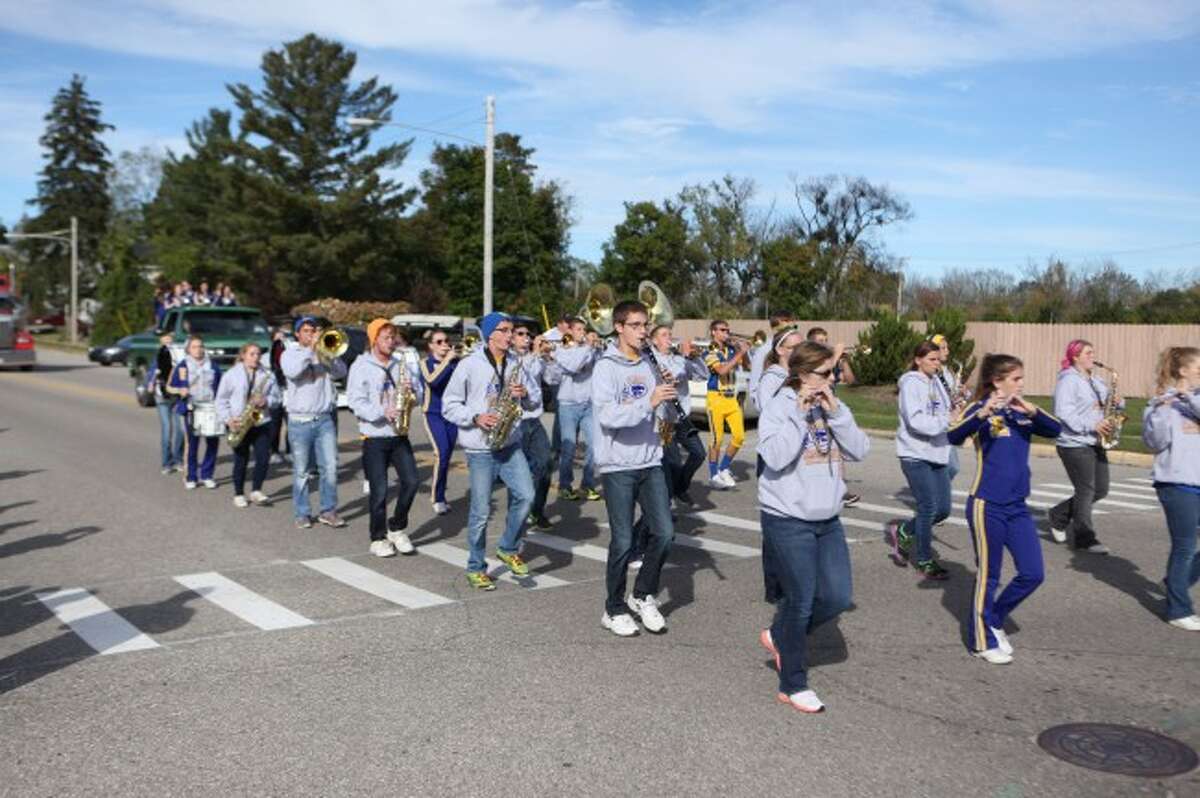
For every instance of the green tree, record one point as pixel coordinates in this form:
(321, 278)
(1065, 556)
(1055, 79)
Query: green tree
(725, 241)
(793, 271)
(529, 248)
(126, 296)
(891, 341)
(72, 182)
(952, 323)
(650, 244)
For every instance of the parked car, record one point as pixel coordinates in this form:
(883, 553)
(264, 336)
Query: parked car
(16, 344)
(49, 322)
(224, 330)
(116, 352)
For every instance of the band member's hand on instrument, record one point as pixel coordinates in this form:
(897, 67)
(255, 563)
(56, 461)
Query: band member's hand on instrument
(826, 398)
(687, 348)
(258, 401)
(663, 393)
(1104, 427)
(183, 392)
(390, 411)
(1020, 405)
(839, 352)
(235, 423)
(519, 391)
(486, 420)
(993, 404)
(805, 397)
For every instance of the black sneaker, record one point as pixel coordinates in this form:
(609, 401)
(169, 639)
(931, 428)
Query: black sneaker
(851, 499)
(930, 569)
(540, 522)
(685, 499)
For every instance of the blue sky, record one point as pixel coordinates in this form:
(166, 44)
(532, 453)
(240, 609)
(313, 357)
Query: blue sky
(1016, 129)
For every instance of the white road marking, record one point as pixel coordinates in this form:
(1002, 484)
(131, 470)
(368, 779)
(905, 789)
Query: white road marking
(1035, 503)
(94, 621)
(899, 512)
(368, 581)
(1106, 502)
(1111, 491)
(585, 550)
(239, 600)
(458, 557)
(754, 526)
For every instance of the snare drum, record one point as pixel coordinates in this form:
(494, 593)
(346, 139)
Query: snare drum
(204, 420)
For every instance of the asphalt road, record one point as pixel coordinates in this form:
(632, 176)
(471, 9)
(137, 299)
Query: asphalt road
(239, 664)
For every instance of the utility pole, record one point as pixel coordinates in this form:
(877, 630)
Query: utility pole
(489, 179)
(74, 280)
(899, 289)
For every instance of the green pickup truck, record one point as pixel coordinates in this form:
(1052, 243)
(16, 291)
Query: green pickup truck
(224, 330)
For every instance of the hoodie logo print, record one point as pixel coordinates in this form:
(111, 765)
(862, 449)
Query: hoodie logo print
(634, 388)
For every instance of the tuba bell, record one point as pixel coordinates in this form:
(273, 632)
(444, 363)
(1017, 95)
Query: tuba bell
(597, 308)
(331, 344)
(658, 307)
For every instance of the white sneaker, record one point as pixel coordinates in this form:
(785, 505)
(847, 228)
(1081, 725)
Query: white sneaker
(366, 488)
(382, 548)
(717, 481)
(211, 484)
(189, 485)
(647, 611)
(1191, 623)
(1096, 548)
(441, 508)
(1002, 640)
(166, 471)
(622, 625)
(994, 655)
(1059, 535)
(277, 459)
(727, 477)
(240, 501)
(401, 542)
(260, 498)
(803, 701)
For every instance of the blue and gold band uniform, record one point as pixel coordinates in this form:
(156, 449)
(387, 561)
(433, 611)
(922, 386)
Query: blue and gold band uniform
(997, 513)
(442, 434)
(722, 403)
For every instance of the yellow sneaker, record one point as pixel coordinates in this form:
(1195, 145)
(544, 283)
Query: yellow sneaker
(514, 563)
(480, 581)
(592, 495)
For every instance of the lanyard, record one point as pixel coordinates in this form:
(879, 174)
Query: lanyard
(387, 374)
(499, 370)
(252, 376)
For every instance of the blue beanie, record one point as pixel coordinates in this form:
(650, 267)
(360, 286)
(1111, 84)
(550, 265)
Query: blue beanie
(489, 323)
(300, 322)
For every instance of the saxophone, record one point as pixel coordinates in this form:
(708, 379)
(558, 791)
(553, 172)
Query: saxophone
(406, 400)
(1112, 413)
(508, 408)
(250, 416)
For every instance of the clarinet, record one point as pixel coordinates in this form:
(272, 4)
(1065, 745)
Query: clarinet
(648, 351)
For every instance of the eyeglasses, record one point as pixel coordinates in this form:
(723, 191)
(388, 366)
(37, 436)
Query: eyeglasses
(438, 341)
(524, 333)
(505, 330)
(720, 329)
(634, 325)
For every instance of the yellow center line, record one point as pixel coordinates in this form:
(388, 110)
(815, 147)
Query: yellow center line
(58, 386)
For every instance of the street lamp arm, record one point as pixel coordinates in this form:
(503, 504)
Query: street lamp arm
(366, 121)
(54, 235)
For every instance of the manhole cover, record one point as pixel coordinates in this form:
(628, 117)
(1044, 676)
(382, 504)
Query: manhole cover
(1118, 749)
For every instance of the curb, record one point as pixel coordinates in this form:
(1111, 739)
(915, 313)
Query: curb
(1137, 459)
(59, 346)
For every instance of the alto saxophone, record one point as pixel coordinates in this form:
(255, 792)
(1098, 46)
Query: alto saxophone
(406, 400)
(1113, 414)
(508, 408)
(250, 416)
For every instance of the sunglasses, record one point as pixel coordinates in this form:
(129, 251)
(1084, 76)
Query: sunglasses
(521, 332)
(720, 329)
(824, 373)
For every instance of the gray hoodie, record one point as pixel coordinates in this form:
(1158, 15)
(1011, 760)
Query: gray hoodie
(769, 383)
(575, 363)
(924, 411)
(758, 365)
(473, 390)
(624, 426)
(235, 389)
(369, 392)
(1171, 429)
(535, 367)
(310, 390)
(1078, 407)
(799, 480)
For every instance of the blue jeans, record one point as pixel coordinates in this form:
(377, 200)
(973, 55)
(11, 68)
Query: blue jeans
(648, 488)
(575, 418)
(812, 564)
(930, 486)
(170, 434)
(953, 467)
(1182, 509)
(686, 438)
(512, 468)
(536, 446)
(305, 439)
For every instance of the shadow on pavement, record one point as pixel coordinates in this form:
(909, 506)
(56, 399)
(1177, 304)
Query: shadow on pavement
(1125, 576)
(20, 473)
(23, 611)
(957, 592)
(15, 505)
(46, 540)
(5, 527)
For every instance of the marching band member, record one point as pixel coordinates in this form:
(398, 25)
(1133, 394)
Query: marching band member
(957, 392)
(924, 451)
(805, 430)
(723, 361)
(470, 401)
(1079, 398)
(436, 370)
(552, 378)
(278, 414)
(629, 396)
(170, 433)
(311, 400)
(1001, 422)
(249, 383)
(374, 390)
(574, 412)
(1171, 429)
(683, 366)
(194, 381)
(534, 442)
(758, 356)
(843, 374)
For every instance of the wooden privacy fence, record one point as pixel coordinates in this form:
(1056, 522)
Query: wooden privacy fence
(1131, 349)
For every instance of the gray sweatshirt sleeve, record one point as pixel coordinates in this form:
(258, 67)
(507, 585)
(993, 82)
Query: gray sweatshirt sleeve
(225, 396)
(274, 395)
(530, 378)
(853, 442)
(363, 404)
(296, 360)
(454, 399)
(574, 359)
(1156, 426)
(914, 409)
(610, 412)
(1075, 405)
(781, 432)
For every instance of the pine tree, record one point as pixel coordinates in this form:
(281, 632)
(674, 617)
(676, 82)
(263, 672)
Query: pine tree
(73, 182)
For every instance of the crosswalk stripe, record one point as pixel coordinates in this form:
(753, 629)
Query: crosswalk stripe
(899, 512)
(95, 622)
(585, 550)
(1142, 480)
(1145, 491)
(238, 600)
(375, 583)
(716, 546)
(1035, 503)
(1111, 491)
(754, 526)
(1106, 502)
(458, 557)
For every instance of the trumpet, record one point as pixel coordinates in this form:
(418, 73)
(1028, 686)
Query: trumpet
(331, 344)
(857, 349)
(465, 346)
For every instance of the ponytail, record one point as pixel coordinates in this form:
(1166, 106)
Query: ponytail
(1170, 365)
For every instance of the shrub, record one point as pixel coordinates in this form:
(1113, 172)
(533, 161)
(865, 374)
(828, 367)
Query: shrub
(952, 323)
(892, 342)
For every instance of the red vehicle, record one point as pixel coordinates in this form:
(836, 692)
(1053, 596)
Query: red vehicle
(16, 344)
